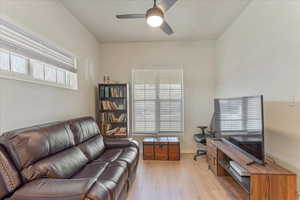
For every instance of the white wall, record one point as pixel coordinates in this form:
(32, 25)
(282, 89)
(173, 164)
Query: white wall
(260, 54)
(195, 58)
(23, 104)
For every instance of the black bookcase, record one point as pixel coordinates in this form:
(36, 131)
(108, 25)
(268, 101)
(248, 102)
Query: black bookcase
(113, 110)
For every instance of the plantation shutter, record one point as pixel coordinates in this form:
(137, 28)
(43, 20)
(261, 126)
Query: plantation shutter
(144, 83)
(158, 101)
(170, 101)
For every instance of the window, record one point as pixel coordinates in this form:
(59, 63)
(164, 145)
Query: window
(50, 74)
(61, 77)
(157, 101)
(37, 69)
(19, 64)
(4, 60)
(22, 53)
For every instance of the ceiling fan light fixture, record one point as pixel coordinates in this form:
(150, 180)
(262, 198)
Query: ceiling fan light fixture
(155, 17)
(154, 21)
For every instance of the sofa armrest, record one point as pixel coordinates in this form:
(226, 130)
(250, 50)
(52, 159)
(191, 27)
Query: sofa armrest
(120, 143)
(45, 189)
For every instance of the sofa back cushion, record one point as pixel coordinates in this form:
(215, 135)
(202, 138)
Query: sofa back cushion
(59, 166)
(87, 136)
(26, 146)
(46, 151)
(9, 177)
(93, 147)
(83, 129)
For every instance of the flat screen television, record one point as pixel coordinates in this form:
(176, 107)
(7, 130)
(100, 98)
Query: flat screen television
(240, 122)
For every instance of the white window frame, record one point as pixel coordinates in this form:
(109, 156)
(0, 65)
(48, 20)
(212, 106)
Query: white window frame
(157, 113)
(37, 49)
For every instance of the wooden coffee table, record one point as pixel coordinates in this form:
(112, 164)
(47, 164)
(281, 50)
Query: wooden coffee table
(161, 148)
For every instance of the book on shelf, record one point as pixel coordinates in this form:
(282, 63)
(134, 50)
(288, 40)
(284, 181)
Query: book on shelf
(118, 131)
(111, 117)
(122, 131)
(109, 105)
(113, 91)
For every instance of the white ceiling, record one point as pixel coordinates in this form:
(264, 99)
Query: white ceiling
(190, 19)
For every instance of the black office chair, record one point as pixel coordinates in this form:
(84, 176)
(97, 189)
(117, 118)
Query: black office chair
(200, 138)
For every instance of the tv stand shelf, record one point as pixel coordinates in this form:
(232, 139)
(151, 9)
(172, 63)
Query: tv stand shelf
(266, 182)
(244, 183)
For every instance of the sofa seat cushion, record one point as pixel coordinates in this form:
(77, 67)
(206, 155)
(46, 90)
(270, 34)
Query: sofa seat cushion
(114, 189)
(114, 178)
(130, 155)
(110, 155)
(99, 192)
(111, 177)
(56, 189)
(92, 170)
(115, 171)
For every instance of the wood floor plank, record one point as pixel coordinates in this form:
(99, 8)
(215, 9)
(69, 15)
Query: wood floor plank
(183, 180)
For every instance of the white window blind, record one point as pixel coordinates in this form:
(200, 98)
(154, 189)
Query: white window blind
(240, 114)
(24, 53)
(50, 73)
(158, 101)
(37, 69)
(4, 60)
(19, 63)
(61, 76)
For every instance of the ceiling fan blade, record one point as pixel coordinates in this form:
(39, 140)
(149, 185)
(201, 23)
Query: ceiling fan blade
(131, 16)
(166, 28)
(166, 4)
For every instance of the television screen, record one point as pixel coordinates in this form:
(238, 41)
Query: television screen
(240, 122)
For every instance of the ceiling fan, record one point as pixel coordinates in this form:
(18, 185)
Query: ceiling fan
(155, 16)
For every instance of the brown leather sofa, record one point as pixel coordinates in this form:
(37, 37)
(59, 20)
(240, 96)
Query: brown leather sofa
(67, 161)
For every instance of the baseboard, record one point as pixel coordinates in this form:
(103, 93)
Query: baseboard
(182, 152)
(187, 151)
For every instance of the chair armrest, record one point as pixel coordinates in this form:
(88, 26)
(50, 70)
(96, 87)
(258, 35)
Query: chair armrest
(121, 143)
(45, 189)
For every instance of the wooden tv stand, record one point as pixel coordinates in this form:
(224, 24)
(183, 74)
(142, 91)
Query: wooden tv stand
(266, 182)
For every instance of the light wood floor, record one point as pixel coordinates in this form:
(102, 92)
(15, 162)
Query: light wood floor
(184, 180)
